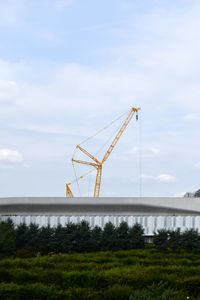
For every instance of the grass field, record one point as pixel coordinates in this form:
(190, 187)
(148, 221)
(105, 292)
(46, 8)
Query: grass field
(135, 274)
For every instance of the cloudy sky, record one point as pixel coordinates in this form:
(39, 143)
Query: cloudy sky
(69, 67)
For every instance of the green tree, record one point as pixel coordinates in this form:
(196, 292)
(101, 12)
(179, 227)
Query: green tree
(161, 239)
(27, 237)
(70, 242)
(58, 241)
(122, 232)
(33, 240)
(83, 236)
(77, 237)
(7, 238)
(21, 236)
(109, 237)
(45, 240)
(96, 238)
(136, 236)
(190, 240)
(175, 239)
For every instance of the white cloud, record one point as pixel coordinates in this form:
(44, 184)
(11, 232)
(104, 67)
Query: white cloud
(158, 69)
(192, 117)
(145, 152)
(76, 86)
(8, 156)
(166, 178)
(62, 4)
(11, 12)
(134, 153)
(27, 166)
(197, 165)
(8, 91)
(147, 177)
(42, 128)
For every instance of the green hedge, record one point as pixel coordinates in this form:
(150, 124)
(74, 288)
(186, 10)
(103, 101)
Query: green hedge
(27, 241)
(101, 275)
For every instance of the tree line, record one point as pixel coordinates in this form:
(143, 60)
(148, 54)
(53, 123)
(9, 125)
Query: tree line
(176, 240)
(31, 239)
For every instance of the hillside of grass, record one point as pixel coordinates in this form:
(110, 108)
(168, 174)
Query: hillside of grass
(131, 274)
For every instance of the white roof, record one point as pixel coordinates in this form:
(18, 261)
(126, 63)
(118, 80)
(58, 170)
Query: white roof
(104, 205)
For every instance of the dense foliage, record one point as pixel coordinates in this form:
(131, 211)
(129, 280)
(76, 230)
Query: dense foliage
(166, 271)
(27, 241)
(143, 274)
(176, 240)
(31, 240)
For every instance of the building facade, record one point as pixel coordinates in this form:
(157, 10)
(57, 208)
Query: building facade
(152, 213)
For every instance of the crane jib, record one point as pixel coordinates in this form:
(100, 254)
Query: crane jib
(98, 164)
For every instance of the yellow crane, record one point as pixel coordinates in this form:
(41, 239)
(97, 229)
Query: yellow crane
(98, 164)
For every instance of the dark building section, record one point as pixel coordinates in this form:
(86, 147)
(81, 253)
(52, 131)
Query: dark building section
(197, 194)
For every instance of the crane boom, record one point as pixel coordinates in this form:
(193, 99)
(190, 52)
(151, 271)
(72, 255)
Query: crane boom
(87, 153)
(99, 164)
(84, 162)
(111, 147)
(120, 132)
(98, 181)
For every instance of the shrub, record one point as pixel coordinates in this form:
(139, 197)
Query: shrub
(159, 291)
(24, 253)
(5, 275)
(45, 244)
(122, 236)
(27, 237)
(32, 292)
(7, 238)
(161, 240)
(119, 292)
(175, 240)
(96, 238)
(136, 237)
(191, 284)
(22, 276)
(82, 294)
(9, 291)
(190, 240)
(109, 237)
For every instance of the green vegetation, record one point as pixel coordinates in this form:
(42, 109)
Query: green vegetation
(126, 274)
(176, 240)
(61, 263)
(24, 241)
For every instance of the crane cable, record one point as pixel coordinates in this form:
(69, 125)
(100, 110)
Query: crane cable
(76, 179)
(74, 170)
(84, 175)
(92, 136)
(89, 183)
(111, 137)
(75, 174)
(100, 149)
(140, 156)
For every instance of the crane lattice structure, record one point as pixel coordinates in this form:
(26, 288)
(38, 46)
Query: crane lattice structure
(98, 164)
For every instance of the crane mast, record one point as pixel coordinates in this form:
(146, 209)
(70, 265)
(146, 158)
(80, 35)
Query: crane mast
(69, 193)
(99, 164)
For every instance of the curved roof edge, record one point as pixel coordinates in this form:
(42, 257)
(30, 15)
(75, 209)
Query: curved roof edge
(105, 205)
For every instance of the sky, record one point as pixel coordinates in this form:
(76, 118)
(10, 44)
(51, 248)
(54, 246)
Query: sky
(70, 67)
